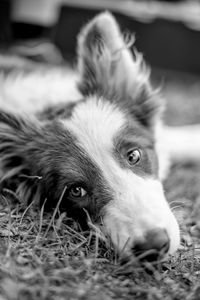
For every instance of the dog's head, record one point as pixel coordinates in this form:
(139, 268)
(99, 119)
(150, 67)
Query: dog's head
(101, 149)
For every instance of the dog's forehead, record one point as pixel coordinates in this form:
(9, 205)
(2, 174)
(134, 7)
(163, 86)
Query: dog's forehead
(95, 122)
(98, 123)
(105, 133)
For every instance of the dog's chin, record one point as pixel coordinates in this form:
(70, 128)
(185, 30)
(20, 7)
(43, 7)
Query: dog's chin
(150, 256)
(126, 254)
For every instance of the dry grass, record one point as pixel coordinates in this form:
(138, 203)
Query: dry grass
(49, 258)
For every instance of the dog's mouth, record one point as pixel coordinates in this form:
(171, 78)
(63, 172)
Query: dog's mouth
(155, 246)
(144, 252)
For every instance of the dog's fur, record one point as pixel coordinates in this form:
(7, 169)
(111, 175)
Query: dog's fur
(77, 132)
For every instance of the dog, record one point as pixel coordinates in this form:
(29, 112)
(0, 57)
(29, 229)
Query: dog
(92, 135)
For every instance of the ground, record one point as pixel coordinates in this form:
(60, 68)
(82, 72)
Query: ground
(44, 256)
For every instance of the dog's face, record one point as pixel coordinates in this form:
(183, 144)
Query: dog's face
(102, 150)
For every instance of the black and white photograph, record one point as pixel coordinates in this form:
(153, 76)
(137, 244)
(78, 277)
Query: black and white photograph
(99, 149)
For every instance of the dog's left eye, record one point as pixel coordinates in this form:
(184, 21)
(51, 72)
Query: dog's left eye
(77, 192)
(133, 156)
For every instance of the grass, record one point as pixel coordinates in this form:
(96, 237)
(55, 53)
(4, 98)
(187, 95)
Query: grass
(45, 256)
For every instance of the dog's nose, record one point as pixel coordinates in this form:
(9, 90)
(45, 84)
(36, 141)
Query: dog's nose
(155, 245)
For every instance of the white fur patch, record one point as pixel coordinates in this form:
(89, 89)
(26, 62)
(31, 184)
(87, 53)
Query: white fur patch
(33, 91)
(182, 143)
(95, 122)
(138, 203)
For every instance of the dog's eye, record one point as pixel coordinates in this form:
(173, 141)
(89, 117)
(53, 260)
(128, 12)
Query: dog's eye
(77, 192)
(133, 156)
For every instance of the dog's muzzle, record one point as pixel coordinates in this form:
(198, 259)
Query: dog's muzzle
(154, 247)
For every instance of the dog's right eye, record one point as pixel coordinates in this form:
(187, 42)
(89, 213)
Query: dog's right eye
(133, 156)
(77, 192)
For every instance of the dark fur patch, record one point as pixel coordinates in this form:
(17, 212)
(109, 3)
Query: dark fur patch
(58, 111)
(131, 137)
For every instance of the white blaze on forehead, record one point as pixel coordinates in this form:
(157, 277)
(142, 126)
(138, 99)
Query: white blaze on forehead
(95, 123)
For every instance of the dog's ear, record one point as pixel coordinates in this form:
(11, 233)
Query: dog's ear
(18, 136)
(13, 142)
(108, 68)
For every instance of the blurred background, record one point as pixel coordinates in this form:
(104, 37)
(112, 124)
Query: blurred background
(167, 33)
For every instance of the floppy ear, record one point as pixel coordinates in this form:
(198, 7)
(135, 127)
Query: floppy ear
(13, 142)
(18, 143)
(108, 68)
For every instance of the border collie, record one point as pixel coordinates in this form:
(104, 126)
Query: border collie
(94, 134)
